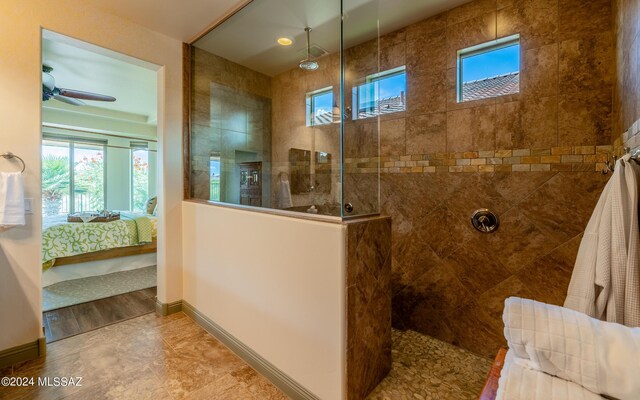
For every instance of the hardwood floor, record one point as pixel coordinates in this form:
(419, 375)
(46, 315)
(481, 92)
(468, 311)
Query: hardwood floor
(85, 317)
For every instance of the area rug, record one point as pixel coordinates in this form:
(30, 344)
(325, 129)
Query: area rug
(76, 291)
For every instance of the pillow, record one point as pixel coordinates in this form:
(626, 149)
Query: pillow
(155, 210)
(603, 357)
(151, 204)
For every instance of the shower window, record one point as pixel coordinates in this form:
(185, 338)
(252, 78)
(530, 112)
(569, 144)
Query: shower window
(320, 106)
(489, 70)
(381, 93)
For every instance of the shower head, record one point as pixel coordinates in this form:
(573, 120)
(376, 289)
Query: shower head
(308, 64)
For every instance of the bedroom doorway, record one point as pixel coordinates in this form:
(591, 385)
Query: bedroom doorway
(99, 186)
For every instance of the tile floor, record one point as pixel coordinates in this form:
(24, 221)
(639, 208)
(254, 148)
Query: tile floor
(150, 357)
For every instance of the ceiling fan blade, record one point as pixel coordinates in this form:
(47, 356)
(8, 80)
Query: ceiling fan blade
(78, 94)
(69, 100)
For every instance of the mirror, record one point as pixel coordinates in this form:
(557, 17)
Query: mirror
(301, 171)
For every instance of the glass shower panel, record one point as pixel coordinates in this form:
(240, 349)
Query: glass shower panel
(364, 92)
(268, 109)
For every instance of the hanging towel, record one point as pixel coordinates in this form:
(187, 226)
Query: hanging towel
(11, 199)
(283, 199)
(605, 283)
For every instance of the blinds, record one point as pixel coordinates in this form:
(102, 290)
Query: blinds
(139, 145)
(133, 145)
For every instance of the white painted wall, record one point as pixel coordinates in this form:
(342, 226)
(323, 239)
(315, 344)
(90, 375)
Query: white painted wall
(98, 119)
(275, 283)
(20, 75)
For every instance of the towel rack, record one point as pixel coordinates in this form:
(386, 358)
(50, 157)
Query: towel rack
(9, 155)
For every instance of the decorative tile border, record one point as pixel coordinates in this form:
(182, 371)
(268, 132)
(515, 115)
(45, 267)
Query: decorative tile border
(576, 158)
(630, 139)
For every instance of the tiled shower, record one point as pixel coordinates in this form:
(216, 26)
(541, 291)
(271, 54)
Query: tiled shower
(532, 157)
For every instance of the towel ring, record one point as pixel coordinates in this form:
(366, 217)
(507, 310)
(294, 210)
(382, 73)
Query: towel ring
(9, 155)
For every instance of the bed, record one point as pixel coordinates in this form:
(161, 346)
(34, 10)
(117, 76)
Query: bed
(66, 243)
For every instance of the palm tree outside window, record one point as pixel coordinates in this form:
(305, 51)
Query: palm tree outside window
(73, 175)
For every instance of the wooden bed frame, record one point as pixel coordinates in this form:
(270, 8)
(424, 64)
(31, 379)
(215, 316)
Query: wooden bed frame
(107, 254)
(491, 385)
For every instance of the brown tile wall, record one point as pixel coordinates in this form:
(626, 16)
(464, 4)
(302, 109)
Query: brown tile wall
(565, 99)
(212, 128)
(626, 105)
(368, 304)
(567, 79)
(289, 91)
(450, 281)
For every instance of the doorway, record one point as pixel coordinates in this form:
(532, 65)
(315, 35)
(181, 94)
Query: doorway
(99, 187)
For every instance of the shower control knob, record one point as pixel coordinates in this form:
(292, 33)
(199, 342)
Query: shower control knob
(348, 207)
(485, 221)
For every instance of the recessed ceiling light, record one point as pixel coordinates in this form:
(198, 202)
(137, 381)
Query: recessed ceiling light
(285, 41)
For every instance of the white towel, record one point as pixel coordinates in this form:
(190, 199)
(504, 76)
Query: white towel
(11, 199)
(519, 382)
(605, 283)
(602, 357)
(284, 194)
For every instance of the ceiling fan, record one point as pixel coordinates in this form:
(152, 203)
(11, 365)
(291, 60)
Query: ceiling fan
(69, 96)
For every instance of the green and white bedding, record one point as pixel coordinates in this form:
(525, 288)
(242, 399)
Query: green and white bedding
(62, 239)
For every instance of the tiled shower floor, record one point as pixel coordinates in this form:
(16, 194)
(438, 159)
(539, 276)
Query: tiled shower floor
(427, 368)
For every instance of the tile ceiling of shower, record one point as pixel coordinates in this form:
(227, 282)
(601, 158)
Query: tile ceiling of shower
(249, 37)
